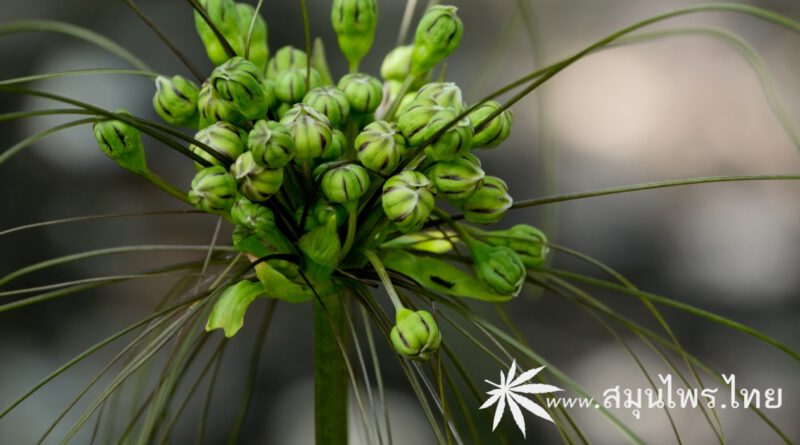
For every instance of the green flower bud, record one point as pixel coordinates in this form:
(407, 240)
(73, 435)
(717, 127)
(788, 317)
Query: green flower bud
(269, 93)
(527, 241)
(228, 312)
(380, 146)
(446, 94)
(254, 217)
(329, 101)
(259, 49)
(121, 142)
(415, 334)
(310, 129)
(345, 183)
(408, 200)
(363, 91)
(489, 203)
(337, 148)
(286, 58)
(454, 142)
(414, 119)
(223, 138)
(396, 64)
(438, 34)
(224, 15)
(290, 85)
(456, 179)
(499, 268)
(255, 182)
(213, 108)
(355, 22)
(241, 83)
(271, 144)
(213, 190)
(493, 132)
(176, 100)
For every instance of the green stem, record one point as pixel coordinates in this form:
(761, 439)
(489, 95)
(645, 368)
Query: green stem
(165, 186)
(387, 283)
(352, 222)
(330, 373)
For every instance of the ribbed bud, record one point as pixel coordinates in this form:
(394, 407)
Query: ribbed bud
(454, 142)
(176, 100)
(363, 91)
(457, 179)
(290, 85)
(241, 83)
(223, 138)
(269, 93)
(224, 15)
(122, 143)
(380, 146)
(213, 190)
(310, 129)
(355, 22)
(493, 132)
(414, 118)
(329, 101)
(286, 58)
(527, 241)
(213, 108)
(259, 48)
(415, 334)
(408, 200)
(438, 34)
(255, 182)
(499, 268)
(345, 183)
(489, 203)
(337, 148)
(254, 217)
(271, 144)
(446, 94)
(397, 63)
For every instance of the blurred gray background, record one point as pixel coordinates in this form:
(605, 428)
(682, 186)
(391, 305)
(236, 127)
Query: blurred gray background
(679, 107)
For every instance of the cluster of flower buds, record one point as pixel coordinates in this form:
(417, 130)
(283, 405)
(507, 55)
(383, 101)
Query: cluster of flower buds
(324, 171)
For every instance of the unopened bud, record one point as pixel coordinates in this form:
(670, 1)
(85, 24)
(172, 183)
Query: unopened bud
(222, 137)
(176, 100)
(213, 190)
(363, 91)
(380, 146)
(438, 34)
(457, 179)
(345, 183)
(256, 182)
(121, 142)
(271, 144)
(415, 334)
(492, 133)
(489, 203)
(290, 85)
(286, 58)
(310, 129)
(330, 101)
(355, 22)
(408, 200)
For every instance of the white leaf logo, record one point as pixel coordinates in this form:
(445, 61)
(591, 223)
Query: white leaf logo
(509, 392)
